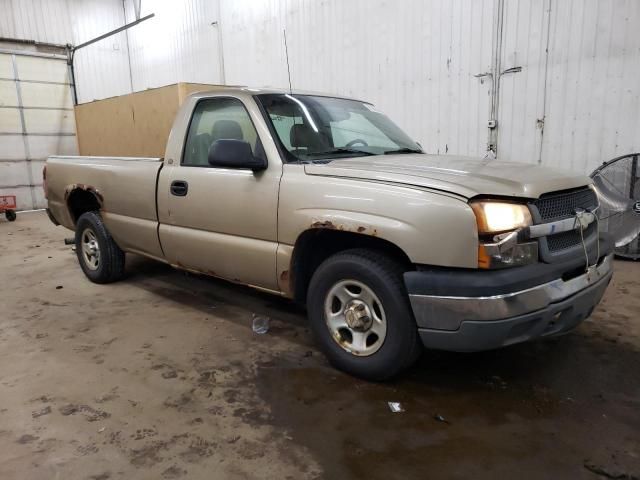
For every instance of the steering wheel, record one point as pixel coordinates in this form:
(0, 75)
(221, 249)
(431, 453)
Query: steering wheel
(353, 143)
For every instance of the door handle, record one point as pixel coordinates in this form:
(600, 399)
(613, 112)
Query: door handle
(179, 188)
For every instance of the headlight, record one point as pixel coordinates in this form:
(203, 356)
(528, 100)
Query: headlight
(498, 223)
(496, 217)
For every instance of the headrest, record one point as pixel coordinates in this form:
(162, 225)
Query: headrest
(226, 129)
(302, 135)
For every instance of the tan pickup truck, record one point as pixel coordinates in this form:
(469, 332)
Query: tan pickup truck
(325, 201)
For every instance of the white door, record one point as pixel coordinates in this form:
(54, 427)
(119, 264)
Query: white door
(36, 120)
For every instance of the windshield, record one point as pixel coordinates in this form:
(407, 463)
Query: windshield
(318, 128)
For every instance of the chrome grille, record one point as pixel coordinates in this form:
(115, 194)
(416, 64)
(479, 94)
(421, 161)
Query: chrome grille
(564, 240)
(556, 206)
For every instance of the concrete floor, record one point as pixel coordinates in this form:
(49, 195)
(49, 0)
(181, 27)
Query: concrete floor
(161, 376)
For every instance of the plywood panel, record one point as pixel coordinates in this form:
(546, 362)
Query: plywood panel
(44, 69)
(131, 125)
(45, 95)
(49, 121)
(185, 89)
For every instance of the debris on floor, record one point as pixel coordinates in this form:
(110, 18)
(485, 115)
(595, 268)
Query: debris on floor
(395, 407)
(43, 411)
(613, 471)
(440, 418)
(260, 324)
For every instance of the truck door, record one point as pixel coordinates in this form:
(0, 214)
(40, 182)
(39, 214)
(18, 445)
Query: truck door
(221, 221)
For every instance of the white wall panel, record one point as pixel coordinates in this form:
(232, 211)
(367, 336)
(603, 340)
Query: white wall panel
(522, 94)
(8, 94)
(13, 173)
(49, 121)
(593, 84)
(10, 121)
(37, 68)
(44, 21)
(101, 69)
(573, 106)
(45, 95)
(414, 59)
(12, 147)
(179, 44)
(36, 167)
(40, 147)
(6, 66)
(580, 106)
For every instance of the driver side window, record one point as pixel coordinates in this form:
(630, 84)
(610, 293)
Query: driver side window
(218, 119)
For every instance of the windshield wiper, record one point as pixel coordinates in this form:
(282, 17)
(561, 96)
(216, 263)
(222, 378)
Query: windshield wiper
(339, 150)
(403, 150)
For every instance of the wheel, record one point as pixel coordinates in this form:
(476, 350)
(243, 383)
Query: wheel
(101, 260)
(10, 215)
(360, 314)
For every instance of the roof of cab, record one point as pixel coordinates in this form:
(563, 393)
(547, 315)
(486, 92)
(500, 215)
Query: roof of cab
(244, 90)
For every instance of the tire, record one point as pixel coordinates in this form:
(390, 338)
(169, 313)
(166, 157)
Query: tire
(10, 215)
(386, 349)
(100, 258)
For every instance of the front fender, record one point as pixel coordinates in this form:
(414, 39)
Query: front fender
(432, 228)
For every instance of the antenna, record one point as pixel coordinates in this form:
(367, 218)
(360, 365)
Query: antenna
(286, 52)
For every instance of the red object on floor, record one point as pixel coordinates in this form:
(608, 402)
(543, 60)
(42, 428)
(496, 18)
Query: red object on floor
(7, 202)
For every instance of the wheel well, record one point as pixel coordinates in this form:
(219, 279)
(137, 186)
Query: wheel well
(314, 246)
(82, 200)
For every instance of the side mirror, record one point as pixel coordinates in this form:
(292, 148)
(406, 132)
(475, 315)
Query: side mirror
(228, 153)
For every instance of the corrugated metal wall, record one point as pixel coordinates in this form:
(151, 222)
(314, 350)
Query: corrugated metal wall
(179, 44)
(415, 60)
(48, 21)
(574, 103)
(578, 105)
(103, 68)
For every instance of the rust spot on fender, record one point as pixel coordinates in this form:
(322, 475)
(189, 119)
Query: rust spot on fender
(209, 273)
(285, 284)
(329, 225)
(325, 224)
(284, 276)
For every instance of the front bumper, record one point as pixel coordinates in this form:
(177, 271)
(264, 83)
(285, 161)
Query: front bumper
(468, 323)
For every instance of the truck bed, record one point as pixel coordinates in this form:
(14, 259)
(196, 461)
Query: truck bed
(125, 188)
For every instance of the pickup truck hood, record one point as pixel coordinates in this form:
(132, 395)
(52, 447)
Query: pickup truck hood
(465, 176)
